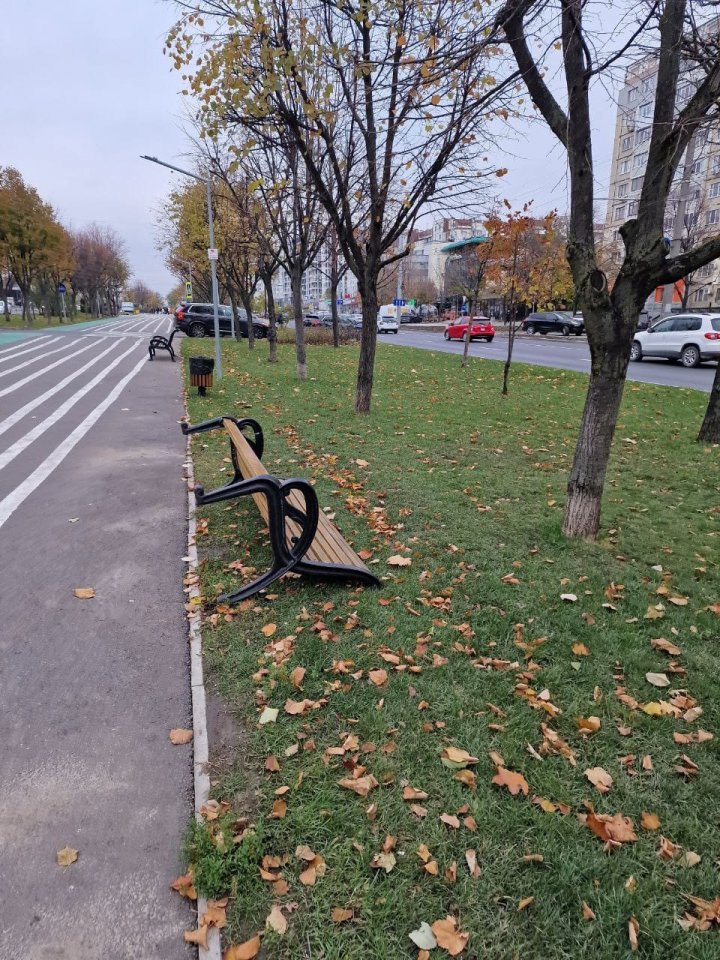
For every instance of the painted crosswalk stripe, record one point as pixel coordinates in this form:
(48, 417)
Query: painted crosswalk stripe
(18, 415)
(17, 351)
(13, 500)
(51, 366)
(7, 456)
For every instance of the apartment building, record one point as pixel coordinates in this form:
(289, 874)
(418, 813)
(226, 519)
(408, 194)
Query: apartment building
(700, 167)
(427, 257)
(316, 284)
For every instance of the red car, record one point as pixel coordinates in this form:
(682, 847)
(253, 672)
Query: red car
(481, 329)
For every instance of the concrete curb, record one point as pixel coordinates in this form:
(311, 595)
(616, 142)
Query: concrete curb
(201, 750)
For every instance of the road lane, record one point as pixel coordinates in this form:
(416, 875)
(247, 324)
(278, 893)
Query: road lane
(90, 689)
(560, 352)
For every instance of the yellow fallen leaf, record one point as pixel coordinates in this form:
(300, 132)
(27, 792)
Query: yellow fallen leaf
(514, 782)
(244, 951)
(399, 561)
(599, 778)
(525, 903)
(180, 735)
(649, 821)
(269, 629)
(276, 920)
(66, 856)
(340, 915)
(84, 593)
(198, 936)
(448, 936)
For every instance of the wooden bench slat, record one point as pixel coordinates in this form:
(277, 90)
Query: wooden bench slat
(328, 545)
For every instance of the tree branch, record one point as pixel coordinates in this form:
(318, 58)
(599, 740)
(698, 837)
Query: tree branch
(678, 267)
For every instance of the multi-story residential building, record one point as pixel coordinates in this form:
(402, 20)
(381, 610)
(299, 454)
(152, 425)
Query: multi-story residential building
(316, 284)
(698, 177)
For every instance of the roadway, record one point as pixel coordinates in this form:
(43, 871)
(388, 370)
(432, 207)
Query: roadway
(92, 495)
(566, 353)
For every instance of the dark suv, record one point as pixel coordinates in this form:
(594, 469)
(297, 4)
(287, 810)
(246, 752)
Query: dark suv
(198, 320)
(561, 321)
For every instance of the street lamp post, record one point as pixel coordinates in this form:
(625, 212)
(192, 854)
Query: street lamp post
(212, 254)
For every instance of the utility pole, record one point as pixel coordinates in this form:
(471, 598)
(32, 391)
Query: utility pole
(212, 253)
(679, 223)
(399, 291)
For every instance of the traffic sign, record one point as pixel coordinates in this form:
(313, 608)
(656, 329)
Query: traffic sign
(411, 303)
(61, 288)
(339, 301)
(212, 253)
(188, 289)
(398, 303)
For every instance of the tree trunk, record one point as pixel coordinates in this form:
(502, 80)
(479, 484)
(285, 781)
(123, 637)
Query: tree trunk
(508, 358)
(710, 429)
(466, 345)
(368, 342)
(592, 452)
(301, 360)
(247, 304)
(334, 283)
(272, 321)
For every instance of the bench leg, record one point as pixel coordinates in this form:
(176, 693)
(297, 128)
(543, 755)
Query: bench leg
(335, 571)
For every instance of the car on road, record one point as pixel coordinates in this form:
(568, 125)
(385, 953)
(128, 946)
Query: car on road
(387, 325)
(198, 320)
(344, 320)
(481, 329)
(688, 337)
(316, 319)
(558, 321)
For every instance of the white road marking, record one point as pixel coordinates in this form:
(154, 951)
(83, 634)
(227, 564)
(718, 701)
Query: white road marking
(13, 500)
(36, 401)
(7, 456)
(18, 352)
(50, 366)
(42, 356)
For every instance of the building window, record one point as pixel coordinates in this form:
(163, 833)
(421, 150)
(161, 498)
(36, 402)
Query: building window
(632, 95)
(640, 160)
(626, 143)
(636, 183)
(632, 208)
(642, 136)
(700, 295)
(619, 212)
(624, 166)
(716, 165)
(715, 189)
(622, 190)
(646, 109)
(697, 166)
(691, 220)
(668, 224)
(706, 271)
(712, 217)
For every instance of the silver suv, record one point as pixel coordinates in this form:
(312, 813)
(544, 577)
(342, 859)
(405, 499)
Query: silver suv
(690, 338)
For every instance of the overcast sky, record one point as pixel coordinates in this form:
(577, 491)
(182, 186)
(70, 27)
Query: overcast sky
(90, 90)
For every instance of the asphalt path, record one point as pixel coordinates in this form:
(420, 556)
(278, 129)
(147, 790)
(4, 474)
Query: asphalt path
(92, 495)
(566, 353)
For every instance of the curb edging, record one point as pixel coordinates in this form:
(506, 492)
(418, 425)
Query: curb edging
(201, 750)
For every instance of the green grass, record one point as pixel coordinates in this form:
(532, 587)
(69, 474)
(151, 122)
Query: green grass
(472, 487)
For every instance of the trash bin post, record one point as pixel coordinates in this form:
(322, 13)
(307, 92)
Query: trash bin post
(201, 373)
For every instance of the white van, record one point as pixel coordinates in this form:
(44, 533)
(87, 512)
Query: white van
(127, 307)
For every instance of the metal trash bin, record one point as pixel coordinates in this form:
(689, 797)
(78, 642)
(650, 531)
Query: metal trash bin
(201, 373)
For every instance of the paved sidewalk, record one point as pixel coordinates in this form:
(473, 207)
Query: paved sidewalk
(91, 688)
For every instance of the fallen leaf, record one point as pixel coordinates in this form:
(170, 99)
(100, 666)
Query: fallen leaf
(215, 915)
(279, 809)
(272, 764)
(410, 793)
(198, 936)
(599, 778)
(449, 937)
(383, 861)
(297, 676)
(649, 821)
(185, 886)
(633, 931)
(66, 856)
(378, 677)
(423, 937)
(450, 820)
(678, 601)
(244, 951)
(587, 912)
(615, 828)
(666, 646)
(568, 597)
(179, 736)
(269, 629)
(399, 561)
(580, 650)
(471, 860)
(359, 785)
(657, 679)
(340, 915)
(656, 612)
(84, 593)
(514, 782)
(525, 903)
(276, 920)
(269, 715)
(455, 758)
(587, 725)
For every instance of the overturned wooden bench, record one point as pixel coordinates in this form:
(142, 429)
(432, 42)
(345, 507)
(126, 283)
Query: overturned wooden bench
(162, 343)
(302, 538)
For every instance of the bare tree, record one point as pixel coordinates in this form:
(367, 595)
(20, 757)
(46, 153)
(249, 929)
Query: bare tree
(395, 90)
(670, 28)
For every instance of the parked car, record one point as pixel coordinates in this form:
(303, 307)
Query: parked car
(344, 320)
(481, 329)
(198, 320)
(356, 319)
(316, 319)
(387, 325)
(687, 337)
(560, 321)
